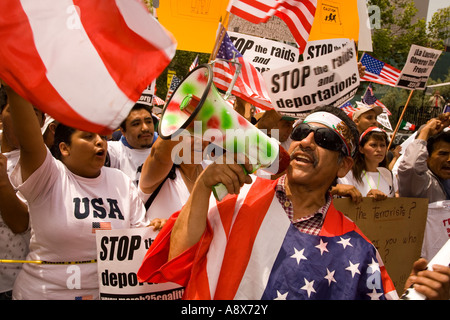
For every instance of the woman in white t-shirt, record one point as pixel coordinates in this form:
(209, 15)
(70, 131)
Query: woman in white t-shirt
(69, 199)
(369, 176)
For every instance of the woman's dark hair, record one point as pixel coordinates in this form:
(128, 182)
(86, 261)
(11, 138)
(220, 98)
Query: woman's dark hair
(63, 133)
(360, 163)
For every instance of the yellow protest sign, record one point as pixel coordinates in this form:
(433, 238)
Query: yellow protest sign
(396, 228)
(335, 19)
(192, 23)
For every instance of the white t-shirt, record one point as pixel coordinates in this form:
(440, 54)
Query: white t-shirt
(126, 159)
(171, 198)
(380, 180)
(12, 246)
(65, 210)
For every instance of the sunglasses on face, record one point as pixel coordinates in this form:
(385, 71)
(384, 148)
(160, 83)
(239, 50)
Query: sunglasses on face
(324, 137)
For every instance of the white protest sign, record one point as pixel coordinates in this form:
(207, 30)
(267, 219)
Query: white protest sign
(119, 255)
(320, 48)
(383, 119)
(331, 79)
(437, 229)
(418, 67)
(264, 54)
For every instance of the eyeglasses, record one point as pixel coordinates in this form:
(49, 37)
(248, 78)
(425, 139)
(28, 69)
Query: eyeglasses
(324, 137)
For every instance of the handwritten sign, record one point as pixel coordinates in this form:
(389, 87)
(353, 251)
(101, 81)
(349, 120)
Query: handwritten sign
(331, 79)
(119, 256)
(264, 54)
(418, 67)
(396, 228)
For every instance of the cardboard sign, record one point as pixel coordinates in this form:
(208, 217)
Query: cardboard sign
(331, 79)
(418, 67)
(119, 255)
(396, 228)
(262, 53)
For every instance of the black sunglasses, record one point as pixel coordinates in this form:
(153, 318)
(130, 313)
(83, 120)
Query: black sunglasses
(324, 137)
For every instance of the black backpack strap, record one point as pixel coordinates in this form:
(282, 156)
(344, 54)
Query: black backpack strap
(172, 175)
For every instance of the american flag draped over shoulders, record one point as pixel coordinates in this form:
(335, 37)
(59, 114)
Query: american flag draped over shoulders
(297, 14)
(325, 268)
(250, 85)
(256, 253)
(378, 71)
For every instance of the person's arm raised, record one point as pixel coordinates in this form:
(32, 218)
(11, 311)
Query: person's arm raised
(191, 223)
(157, 165)
(28, 131)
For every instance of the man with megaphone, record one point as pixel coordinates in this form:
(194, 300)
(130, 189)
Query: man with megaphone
(272, 239)
(267, 238)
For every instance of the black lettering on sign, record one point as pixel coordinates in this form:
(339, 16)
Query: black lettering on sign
(83, 207)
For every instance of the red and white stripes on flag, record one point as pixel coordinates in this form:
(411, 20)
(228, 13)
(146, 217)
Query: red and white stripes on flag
(84, 62)
(194, 64)
(250, 85)
(297, 14)
(378, 71)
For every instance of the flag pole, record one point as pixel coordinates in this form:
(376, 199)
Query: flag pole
(400, 119)
(223, 26)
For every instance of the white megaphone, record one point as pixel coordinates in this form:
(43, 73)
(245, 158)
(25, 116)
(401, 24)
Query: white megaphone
(197, 99)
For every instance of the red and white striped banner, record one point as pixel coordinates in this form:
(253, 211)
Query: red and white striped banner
(84, 62)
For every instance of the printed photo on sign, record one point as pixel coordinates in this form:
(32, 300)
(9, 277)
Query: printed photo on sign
(119, 255)
(332, 79)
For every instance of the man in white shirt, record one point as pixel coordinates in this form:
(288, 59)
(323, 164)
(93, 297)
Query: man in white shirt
(138, 135)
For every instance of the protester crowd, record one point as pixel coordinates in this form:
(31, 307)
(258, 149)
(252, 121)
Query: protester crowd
(59, 184)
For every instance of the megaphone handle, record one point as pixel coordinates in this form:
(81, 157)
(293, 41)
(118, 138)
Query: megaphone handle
(220, 191)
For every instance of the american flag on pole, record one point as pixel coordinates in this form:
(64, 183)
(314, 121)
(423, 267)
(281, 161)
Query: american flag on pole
(348, 108)
(174, 83)
(378, 71)
(158, 101)
(194, 64)
(297, 14)
(256, 253)
(369, 98)
(250, 84)
(84, 62)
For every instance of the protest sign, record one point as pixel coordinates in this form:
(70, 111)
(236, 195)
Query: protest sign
(335, 19)
(395, 226)
(264, 54)
(332, 79)
(418, 67)
(437, 230)
(383, 119)
(192, 23)
(320, 48)
(119, 256)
